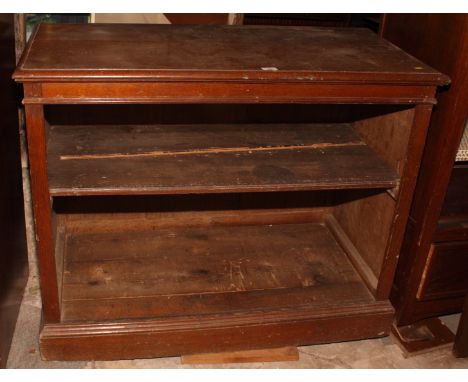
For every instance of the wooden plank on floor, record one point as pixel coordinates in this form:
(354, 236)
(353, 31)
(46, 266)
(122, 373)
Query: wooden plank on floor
(288, 353)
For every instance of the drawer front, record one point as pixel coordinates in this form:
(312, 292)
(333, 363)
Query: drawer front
(451, 229)
(446, 271)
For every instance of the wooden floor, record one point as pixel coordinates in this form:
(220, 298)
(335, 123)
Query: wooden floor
(204, 270)
(179, 159)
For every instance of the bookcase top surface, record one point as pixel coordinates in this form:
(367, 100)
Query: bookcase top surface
(113, 52)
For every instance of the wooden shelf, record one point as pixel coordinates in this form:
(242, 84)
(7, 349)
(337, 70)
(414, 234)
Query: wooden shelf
(120, 271)
(183, 159)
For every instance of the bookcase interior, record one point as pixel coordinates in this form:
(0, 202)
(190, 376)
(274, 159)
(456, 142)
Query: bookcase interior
(221, 209)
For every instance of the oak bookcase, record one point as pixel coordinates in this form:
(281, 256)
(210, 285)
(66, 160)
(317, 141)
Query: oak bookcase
(211, 188)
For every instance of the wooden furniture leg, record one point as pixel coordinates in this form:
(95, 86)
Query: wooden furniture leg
(460, 348)
(422, 336)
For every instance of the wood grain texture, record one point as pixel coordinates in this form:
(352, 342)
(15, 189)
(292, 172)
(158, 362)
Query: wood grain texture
(178, 159)
(380, 240)
(215, 333)
(388, 135)
(176, 215)
(42, 210)
(285, 354)
(354, 255)
(227, 92)
(416, 142)
(370, 239)
(200, 270)
(441, 41)
(168, 52)
(244, 270)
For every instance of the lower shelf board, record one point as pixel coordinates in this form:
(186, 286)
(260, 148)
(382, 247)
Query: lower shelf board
(208, 289)
(199, 270)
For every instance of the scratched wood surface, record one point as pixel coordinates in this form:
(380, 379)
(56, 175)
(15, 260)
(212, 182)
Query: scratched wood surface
(159, 159)
(242, 53)
(199, 270)
(143, 288)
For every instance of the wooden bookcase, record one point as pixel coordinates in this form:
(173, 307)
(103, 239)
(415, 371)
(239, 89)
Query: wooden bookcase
(210, 188)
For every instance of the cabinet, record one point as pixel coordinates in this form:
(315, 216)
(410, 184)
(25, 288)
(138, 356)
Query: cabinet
(431, 276)
(210, 188)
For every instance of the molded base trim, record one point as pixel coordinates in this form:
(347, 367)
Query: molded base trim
(213, 333)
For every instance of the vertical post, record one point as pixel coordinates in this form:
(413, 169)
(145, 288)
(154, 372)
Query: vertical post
(36, 135)
(422, 116)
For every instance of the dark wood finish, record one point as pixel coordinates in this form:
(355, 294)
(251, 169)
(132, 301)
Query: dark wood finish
(223, 53)
(441, 41)
(180, 159)
(403, 204)
(42, 211)
(215, 91)
(423, 336)
(387, 214)
(451, 229)
(388, 135)
(455, 201)
(377, 211)
(354, 255)
(13, 252)
(460, 347)
(453, 222)
(215, 333)
(445, 272)
(217, 113)
(206, 269)
(160, 275)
